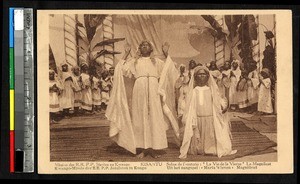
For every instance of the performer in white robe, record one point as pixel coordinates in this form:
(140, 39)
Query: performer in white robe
(207, 129)
(182, 87)
(143, 124)
(87, 100)
(215, 72)
(67, 96)
(253, 82)
(105, 89)
(77, 91)
(264, 98)
(54, 90)
(225, 81)
(242, 91)
(234, 77)
(96, 93)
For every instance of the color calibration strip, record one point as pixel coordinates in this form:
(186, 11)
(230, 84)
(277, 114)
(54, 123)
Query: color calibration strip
(11, 93)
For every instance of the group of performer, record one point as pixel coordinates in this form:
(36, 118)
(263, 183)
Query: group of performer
(76, 92)
(246, 90)
(192, 102)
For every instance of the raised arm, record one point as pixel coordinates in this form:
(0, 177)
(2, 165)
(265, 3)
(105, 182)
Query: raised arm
(127, 49)
(165, 49)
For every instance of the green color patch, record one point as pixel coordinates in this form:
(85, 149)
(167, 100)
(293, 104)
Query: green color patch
(11, 69)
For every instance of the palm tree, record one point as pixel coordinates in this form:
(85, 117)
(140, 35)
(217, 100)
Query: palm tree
(86, 35)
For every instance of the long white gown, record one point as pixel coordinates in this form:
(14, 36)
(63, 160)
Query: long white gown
(264, 97)
(147, 114)
(142, 122)
(87, 99)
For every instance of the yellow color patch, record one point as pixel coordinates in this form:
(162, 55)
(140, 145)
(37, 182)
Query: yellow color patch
(12, 109)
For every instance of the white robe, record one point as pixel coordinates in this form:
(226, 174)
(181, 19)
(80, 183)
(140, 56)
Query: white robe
(264, 97)
(96, 92)
(182, 85)
(87, 99)
(253, 87)
(54, 101)
(145, 127)
(233, 97)
(77, 92)
(221, 124)
(67, 96)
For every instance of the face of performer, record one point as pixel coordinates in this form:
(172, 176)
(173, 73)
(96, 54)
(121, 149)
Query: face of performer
(192, 64)
(201, 77)
(104, 74)
(234, 66)
(77, 71)
(213, 66)
(64, 68)
(51, 76)
(84, 69)
(264, 74)
(226, 65)
(145, 49)
(111, 72)
(182, 68)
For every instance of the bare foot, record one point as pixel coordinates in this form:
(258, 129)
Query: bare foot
(141, 155)
(155, 155)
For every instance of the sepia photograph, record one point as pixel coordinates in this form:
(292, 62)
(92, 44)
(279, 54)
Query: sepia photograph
(164, 91)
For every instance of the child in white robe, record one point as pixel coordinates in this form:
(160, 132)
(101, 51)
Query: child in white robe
(234, 77)
(87, 101)
(96, 94)
(207, 130)
(264, 97)
(67, 96)
(77, 91)
(242, 91)
(54, 90)
(215, 72)
(105, 89)
(225, 81)
(182, 88)
(253, 89)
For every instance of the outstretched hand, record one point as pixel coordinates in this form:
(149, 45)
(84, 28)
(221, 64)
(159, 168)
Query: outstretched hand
(165, 48)
(127, 48)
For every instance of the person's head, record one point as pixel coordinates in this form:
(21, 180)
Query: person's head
(84, 68)
(235, 65)
(111, 71)
(64, 67)
(244, 73)
(182, 68)
(192, 64)
(213, 65)
(104, 74)
(145, 48)
(226, 65)
(76, 71)
(265, 73)
(51, 74)
(201, 77)
(242, 66)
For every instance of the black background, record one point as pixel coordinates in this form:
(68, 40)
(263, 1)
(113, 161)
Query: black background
(205, 4)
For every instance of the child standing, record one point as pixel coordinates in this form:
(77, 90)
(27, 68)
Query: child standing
(234, 77)
(105, 89)
(207, 130)
(96, 93)
(182, 87)
(67, 97)
(264, 97)
(77, 91)
(54, 91)
(87, 101)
